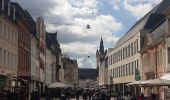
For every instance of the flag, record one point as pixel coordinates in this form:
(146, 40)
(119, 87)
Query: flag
(111, 79)
(137, 74)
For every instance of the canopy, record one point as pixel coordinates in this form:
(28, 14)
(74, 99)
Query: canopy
(137, 83)
(157, 82)
(57, 84)
(151, 82)
(166, 76)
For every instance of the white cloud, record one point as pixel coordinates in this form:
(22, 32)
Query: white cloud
(116, 4)
(140, 8)
(69, 18)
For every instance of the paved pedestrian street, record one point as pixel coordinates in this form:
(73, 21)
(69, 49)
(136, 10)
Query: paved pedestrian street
(70, 99)
(59, 99)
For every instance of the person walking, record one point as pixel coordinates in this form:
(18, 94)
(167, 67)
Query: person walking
(77, 94)
(96, 96)
(36, 95)
(63, 96)
(84, 95)
(142, 96)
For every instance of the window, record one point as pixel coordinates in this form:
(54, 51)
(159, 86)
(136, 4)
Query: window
(16, 37)
(116, 72)
(8, 34)
(132, 49)
(126, 52)
(123, 70)
(137, 65)
(113, 73)
(129, 67)
(4, 34)
(0, 28)
(4, 57)
(119, 71)
(132, 68)
(129, 50)
(15, 61)
(157, 58)
(160, 58)
(0, 56)
(126, 69)
(8, 59)
(137, 45)
(111, 60)
(123, 53)
(12, 60)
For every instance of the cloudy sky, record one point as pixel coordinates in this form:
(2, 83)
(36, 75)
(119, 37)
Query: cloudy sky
(109, 19)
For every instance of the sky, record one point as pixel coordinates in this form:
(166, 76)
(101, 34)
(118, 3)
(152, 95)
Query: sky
(109, 19)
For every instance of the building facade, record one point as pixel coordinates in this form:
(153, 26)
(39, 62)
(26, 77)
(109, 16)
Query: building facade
(35, 65)
(54, 46)
(8, 45)
(125, 60)
(70, 72)
(26, 30)
(155, 55)
(88, 78)
(102, 65)
(49, 65)
(41, 28)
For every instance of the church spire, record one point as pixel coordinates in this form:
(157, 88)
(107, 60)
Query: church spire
(101, 49)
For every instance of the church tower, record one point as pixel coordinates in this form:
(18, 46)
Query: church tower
(101, 49)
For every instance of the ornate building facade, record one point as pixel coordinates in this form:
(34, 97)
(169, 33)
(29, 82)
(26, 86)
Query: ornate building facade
(155, 55)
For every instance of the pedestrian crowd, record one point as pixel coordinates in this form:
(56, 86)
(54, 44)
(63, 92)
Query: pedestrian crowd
(85, 94)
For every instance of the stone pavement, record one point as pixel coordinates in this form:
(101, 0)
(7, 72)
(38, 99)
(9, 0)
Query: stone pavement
(70, 99)
(59, 99)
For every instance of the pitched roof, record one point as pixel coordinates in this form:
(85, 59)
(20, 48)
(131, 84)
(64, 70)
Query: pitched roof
(87, 73)
(146, 22)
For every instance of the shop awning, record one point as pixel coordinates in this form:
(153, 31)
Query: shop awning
(166, 76)
(137, 83)
(151, 82)
(57, 84)
(157, 82)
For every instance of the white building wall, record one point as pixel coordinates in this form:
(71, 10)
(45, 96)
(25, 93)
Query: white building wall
(124, 62)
